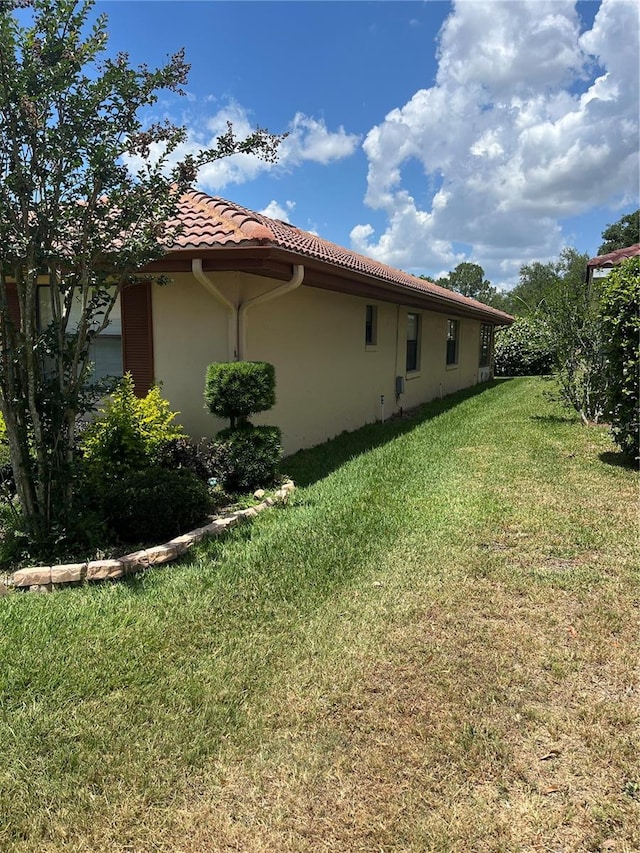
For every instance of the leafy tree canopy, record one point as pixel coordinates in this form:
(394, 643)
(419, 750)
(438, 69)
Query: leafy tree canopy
(75, 216)
(540, 283)
(469, 280)
(625, 232)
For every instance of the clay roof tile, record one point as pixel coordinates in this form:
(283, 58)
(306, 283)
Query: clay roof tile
(209, 222)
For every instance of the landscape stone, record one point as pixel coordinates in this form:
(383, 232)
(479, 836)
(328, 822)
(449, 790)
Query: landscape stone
(259, 494)
(68, 573)
(161, 554)
(101, 570)
(135, 561)
(181, 543)
(35, 576)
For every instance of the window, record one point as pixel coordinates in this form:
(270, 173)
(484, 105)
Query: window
(106, 348)
(413, 336)
(371, 326)
(486, 332)
(452, 341)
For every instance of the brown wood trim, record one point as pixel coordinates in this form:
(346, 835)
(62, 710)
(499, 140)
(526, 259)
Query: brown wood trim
(13, 305)
(137, 335)
(277, 263)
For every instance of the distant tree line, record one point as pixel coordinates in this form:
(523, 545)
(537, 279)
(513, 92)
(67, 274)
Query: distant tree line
(585, 332)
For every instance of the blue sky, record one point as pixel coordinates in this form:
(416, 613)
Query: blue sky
(420, 133)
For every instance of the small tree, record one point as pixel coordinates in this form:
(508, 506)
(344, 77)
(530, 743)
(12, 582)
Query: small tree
(572, 313)
(236, 390)
(74, 217)
(621, 328)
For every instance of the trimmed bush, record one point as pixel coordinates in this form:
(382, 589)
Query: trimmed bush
(206, 459)
(620, 308)
(155, 504)
(130, 431)
(523, 349)
(253, 454)
(237, 389)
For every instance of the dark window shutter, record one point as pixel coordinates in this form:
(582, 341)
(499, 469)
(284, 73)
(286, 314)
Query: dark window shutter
(12, 303)
(137, 335)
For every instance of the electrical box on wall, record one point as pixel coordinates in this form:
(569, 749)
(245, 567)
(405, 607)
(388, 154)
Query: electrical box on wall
(399, 385)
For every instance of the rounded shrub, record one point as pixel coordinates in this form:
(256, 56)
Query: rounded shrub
(523, 349)
(155, 504)
(252, 456)
(237, 389)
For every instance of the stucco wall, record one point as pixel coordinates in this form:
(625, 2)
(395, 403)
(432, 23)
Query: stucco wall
(327, 379)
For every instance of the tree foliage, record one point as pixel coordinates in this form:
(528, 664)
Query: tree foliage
(621, 334)
(75, 217)
(625, 232)
(524, 348)
(469, 280)
(572, 313)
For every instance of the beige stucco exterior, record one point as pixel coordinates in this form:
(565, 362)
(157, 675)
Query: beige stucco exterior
(327, 379)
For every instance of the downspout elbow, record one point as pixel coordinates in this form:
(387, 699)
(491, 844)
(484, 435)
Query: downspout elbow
(294, 282)
(208, 284)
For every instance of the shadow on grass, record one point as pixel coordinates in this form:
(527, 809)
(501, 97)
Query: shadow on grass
(556, 419)
(308, 466)
(618, 460)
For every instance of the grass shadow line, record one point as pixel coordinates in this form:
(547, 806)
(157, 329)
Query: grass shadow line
(618, 460)
(556, 419)
(309, 465)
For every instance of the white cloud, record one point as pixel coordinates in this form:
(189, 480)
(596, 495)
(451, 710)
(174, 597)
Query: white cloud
(308, 140)
(528, 122)
(274, 210)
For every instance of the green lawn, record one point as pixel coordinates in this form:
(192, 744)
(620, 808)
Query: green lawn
(432, 648)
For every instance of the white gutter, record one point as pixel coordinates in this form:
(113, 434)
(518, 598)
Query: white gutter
(294, 282)
(205, 281)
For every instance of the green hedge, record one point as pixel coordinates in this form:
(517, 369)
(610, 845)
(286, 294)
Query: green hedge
(523, 349)
(253, 455)
(620, 308)
(155, 504)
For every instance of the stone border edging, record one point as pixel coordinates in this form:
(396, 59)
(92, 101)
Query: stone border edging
(45, 578)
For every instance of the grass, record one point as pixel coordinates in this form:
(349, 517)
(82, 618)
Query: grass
(434, 648)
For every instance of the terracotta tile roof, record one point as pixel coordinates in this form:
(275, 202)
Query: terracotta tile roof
(613, 258)
(209, 222)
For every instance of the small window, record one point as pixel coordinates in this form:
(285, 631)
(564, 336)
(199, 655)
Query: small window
(371, 326)
(106, 348)
(452, 341)
(486, 332)
(413, 336)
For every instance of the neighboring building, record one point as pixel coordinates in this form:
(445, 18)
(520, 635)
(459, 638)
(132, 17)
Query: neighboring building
(352, 340)
(601, 266)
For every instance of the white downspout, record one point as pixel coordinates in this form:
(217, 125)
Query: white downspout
(294, 282)
(205, 281)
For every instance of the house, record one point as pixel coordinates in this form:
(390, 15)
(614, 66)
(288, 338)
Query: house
(352, 340)
(601, 266)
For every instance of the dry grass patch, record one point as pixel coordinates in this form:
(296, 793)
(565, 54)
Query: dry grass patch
(435, 649)
(481, 723)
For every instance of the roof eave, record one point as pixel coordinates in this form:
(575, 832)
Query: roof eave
(276, 262)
